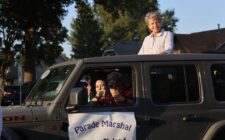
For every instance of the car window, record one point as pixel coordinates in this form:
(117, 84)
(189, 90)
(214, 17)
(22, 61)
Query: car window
(108, 86)
(218, 76)
(174, 84)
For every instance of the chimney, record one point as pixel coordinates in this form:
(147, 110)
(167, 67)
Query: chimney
(218, 25)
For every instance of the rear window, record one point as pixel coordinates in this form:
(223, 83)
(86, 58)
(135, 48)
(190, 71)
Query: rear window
(174, 84)
(218, 76)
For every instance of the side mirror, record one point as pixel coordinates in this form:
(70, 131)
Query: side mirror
(78, 96)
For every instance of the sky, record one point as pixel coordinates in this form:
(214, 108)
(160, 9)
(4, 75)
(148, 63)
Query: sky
(196, 15)
(193, 15)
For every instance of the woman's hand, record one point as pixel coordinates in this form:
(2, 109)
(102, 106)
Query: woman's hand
(119, 98)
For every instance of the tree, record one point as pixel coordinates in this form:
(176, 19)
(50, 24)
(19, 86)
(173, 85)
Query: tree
(124, 19)
(40, 30)
(86, 35)
(168, 20)
(9, 34)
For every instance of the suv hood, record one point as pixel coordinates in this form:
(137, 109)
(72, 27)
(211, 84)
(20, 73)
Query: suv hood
(16, 114)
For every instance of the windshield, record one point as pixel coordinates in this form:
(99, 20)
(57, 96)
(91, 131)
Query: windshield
(50, 83)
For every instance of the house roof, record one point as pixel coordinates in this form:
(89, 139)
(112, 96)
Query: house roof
(202, 41)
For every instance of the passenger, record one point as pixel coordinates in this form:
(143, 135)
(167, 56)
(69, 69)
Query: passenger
(127, 87)
(116, 90)
(89, 92)
(86, 82)
(159, 41)
(101, 91)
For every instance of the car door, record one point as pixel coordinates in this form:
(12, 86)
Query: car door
(101, 71)
(178, 109)
(216, 78)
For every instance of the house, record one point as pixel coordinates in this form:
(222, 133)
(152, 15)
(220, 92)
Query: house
(206, 41)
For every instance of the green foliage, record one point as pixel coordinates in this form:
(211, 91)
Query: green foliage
(33, 28)
(8, 39)
(124, 19)
(86, 35)
(168, 20)
(119, 19)
(9, 34)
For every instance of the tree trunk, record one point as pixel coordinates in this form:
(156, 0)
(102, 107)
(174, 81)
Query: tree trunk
(29, 64)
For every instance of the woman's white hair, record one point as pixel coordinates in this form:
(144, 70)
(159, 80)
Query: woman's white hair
(153, 15)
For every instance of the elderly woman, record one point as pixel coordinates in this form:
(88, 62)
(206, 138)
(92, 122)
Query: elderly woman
(159, 41)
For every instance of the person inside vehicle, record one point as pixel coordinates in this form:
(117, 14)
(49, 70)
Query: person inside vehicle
(100, 89)
(118, 96)
(89, 92)
(86, 83)
(159, 41)
(127, 86)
